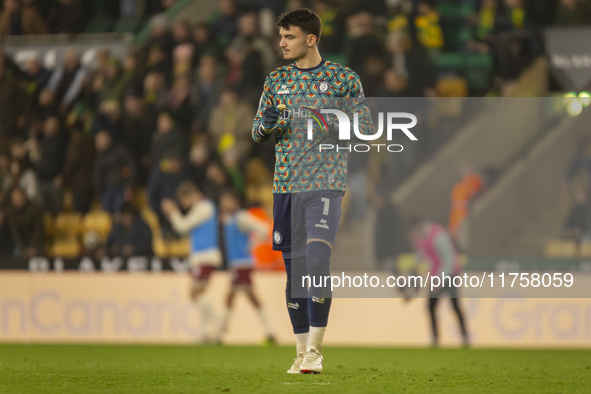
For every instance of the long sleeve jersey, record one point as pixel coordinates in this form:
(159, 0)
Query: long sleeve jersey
(300, 164)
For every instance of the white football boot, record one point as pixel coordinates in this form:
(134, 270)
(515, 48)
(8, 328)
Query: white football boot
(295, 368)
(312, 362)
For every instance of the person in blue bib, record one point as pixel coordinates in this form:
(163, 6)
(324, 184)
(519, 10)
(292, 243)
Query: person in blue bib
(200, 224)
(241, 231)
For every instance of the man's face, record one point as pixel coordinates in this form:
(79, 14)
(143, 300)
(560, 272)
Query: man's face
(295, 43)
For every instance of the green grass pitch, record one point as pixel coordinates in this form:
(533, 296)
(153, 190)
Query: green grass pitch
(211, 369)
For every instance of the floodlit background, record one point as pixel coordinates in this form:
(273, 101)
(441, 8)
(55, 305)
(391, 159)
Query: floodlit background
(503, 160)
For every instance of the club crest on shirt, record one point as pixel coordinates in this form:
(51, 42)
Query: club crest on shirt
(284, 90)
(323, 87)
(277, 238)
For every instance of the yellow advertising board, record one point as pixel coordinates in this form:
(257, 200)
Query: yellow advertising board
(154, 308)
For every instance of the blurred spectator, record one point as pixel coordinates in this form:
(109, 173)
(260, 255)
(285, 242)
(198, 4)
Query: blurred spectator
(463, 193)
(582, 159)
(139, 126)
(183, 58)
(130, 236)
(47, 106)
(363, 46)
(390, 239)
(111, 84)
(109, 119)
(182, 32)
(332, 26)
(179, 105)
(484, 22)
(11, 102)
(67, 81)
(50, 164)
(200, 157)
(69, 17)
(224, 23)
(230, 124)
(78, 169)
(216, 181)
(155, 92)
(249, 41)
(23, 177)
(411, 63)
(114, 172)
(205, 44)
(25, 219)
(576, 226)
(160, 36)
(20, 19)
(6, 243)
(427, 27)
(208, 90)
(163, 182)
(573, 13)
(37, 78)
(168, 140)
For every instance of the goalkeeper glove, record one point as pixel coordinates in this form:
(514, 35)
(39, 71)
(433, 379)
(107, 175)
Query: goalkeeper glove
(270, 117)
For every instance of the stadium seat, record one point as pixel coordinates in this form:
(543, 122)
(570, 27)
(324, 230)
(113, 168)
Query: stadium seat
(66, 248)
(561, 248)
(99, 24)
(478, 72)
(98, 221)
(67, 225)
(452, 87)
(127, 25)
(585, 249)
(179, 248)
(48, 225)
(151, 219)
(160, 248)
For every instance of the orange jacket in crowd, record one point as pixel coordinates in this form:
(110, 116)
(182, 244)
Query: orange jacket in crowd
(461, 194)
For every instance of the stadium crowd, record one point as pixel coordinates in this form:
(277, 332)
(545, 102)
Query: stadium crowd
(181, 106)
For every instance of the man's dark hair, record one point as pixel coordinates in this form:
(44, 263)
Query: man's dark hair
(305, 19)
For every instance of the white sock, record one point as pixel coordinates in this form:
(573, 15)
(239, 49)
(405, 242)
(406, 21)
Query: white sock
(316, 338)
(207, 314)
(224, 321)
(265, 322)
(301, 342)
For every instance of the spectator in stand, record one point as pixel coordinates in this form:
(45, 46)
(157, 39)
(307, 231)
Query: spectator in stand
(162, 185)
(166, 139)
(155, 92)
(463, 193)
(11, 102)
(181, 32)
(249, 35)
(23, 177)
(427, 27)
(205, 44)
(364, 46)
(217, 180)
(109, 119)
(224, 25)
(20, 19)
(160, 36)
(112, 84)
(37, 78)
(47, 106)
(138, 131)
(67, 81)
(229, 126)
(50, 165)
(179, 105)
(200, 156)
(411, 63)
(209, 87)
(6, 243)
(484, 22)
(25, 219)
(573, 13)
(183, 61)
(332, 26)
(130, 235)
(114, 172)
(69, 17)
(78, 169)
(576, 226)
